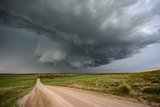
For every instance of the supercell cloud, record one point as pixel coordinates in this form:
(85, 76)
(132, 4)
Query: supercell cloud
(84, 33)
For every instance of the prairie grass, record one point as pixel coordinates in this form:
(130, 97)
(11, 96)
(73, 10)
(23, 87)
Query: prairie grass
(144, 85)
(14, 87)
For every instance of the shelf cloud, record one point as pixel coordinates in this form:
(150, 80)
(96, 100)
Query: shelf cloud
(84, 33)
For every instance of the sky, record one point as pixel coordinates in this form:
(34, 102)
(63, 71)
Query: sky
(79, 36)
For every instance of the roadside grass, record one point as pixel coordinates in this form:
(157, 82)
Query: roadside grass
(142, 86)
(14, 87)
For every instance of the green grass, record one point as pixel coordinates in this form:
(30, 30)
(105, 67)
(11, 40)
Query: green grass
(14, 87)
(144, 85)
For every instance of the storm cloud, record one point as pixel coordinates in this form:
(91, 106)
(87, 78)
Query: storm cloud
(84, 33)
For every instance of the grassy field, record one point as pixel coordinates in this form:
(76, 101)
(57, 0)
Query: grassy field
(13, 87)
(141, 86)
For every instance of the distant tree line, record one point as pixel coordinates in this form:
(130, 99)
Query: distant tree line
(52, 76)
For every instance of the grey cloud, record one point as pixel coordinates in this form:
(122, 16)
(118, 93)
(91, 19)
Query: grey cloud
(17, 54)
(82, 33)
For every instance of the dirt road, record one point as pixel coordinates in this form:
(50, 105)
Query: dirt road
(52, 96)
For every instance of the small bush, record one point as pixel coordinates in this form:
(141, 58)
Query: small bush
(151, 90)
(124, 88)
(152, 98)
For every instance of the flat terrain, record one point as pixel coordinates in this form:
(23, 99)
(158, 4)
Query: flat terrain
(145, 86)
(51, 96)
(14, 87)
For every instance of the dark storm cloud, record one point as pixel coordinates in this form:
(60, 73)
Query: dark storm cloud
(81, 33)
